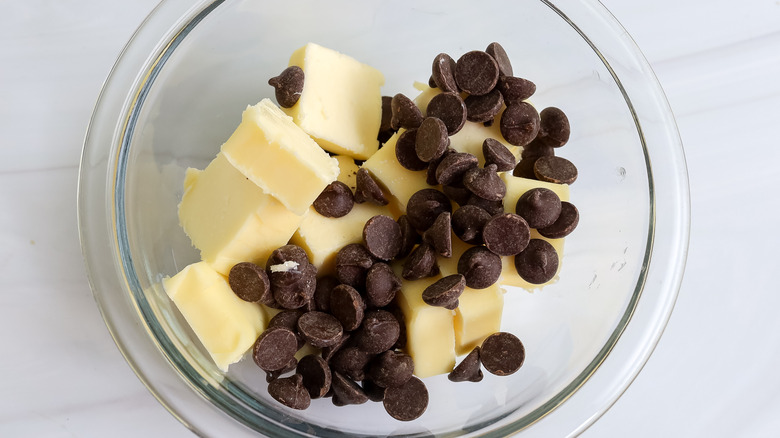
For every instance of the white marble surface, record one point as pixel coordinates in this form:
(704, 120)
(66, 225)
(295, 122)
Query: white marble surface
(714, 373)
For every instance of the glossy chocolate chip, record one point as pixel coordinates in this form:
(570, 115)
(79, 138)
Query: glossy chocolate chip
(540, 207)
(351, 362)
(468, 222)
(496, 153)
(378, 332)
(352, 263)
(554, 129)
(421, 263)
(519, 123)
(502, 59)
(453, 166)
(381, 285)
(336, 200)
(563, 226)
(502, 353)
(382, 237)
(506, 234)
(468, 370)
(439, 235)
(319, 329)
(538, 262)
(367, 189)
(476, 72)
(515, 90)
(405, 113)
(409, 236)
(483, 108)
(385, 127)
(347, 306)
(485, 183)
(480, 267)
(346, 391)
(556, 170)
(290, 392)
(425, 206)
(391, 369)
(406, 153)
(288, 86)
(288, 319)
(250, 282)
(445, 291)
(274, 348)
(322, 292)
(293, 286)
(408, 401)
(492, 207)
(432, 139)
(444, 73)
(450, 109)
(315, 374)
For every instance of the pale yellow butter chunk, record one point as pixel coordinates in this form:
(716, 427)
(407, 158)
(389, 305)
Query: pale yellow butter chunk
(341, 102)
(230, 219)
(347, 171)
(226, 325)
(477, 316)
(274, 153)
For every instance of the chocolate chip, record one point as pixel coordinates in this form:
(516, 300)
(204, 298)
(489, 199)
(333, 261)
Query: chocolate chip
(351, 362)
(287, 253)
(484, 108)
(430, 175)
(468, 222)
(519, 123)
(385, 128)
(382, 237)
(506, 234)
(515, 90)
(450, 108)
(432, 140)
(367, 189)
(352, 263)
(405, 113)
(250, 282)
(399, 316)
(502, 59)
(290, 392)
(432, 82)
(525, 168)
(468, 370)
(537, 149)
(270, 376)
(405, 151)
(480, 267)
(476, 72)
(485, 183)
(347, 306)
(556, 170)
(374, 392)
(538, 262)
(444, 73)
(391, 369)
(330, 351)
(336, 200)
(439, 235)
(421, 263)
(288, 85)
(319, 329)
(425, 206)
(409, 236)
(445, 291)
(322, 292)
(492, 207)
(502, 353)
(496, 153)
(457, 192)
(408, 401)
(563, 226)
(554, 129)
(454, 166)
(315, 374)
(274, 348)
(378, 332)
(293, 286)
(539, 207)
(381, 285)
(346, 392)
(288, 319)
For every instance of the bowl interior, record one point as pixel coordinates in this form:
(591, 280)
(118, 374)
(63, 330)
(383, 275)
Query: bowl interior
(219, 63)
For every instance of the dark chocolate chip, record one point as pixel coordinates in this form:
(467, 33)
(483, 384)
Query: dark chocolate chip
(322, 292)
(480, 267)
(457, 192)
(319, 329)
(450, 108)
(385, 128)
(351, 362)
(287, 253)
(250, 282)
(329, 352)
(432, 139)
(391, 369)
(484, 108)
(525, 168)
(405, 151)
(316, 375)
(409, 236)
(290, 392)
(381, 285)
(566, 223)
(346, 391)
(539, 207)
(288, 85)
(421, 263)
(382, 237)
(432, 82)
(476, 72)
(293, 286)
(468, 222)
(554, 129)
(496, 153)
(425, 206)
(336, 200)
(502, 353)
(270, 376)
(367, 189)
(515, 90)
(556, 170)
(444, 73)
(485, 183)
(430, 175)
(274, 348)
(399, 316)
(439, 235)
(405, 113)
(492, 207)
(374, 392)
(289, 320)
(537, 149)
(454, 166)
(468, 370)
(445, 291)
(347, 306)
(352, 263)
(506, 234)
(519, 123)
(502, 59)
(538, 262)
(408, 401)
(378, 332)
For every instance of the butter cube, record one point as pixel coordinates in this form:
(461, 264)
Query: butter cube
(225, 324)
(341, 102)
(477, 316)
(230, 219)
(270, 150)
(347, 171)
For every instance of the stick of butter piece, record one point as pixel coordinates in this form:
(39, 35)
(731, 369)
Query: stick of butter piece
(401, 183)
(477, 316)
(225, 324)
(230, 219)
(341, 102)
(274, 153)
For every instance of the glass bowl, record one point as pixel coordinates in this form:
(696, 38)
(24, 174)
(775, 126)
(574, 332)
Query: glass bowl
(176, 94)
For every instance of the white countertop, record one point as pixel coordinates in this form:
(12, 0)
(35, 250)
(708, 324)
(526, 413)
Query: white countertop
(714, 373)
